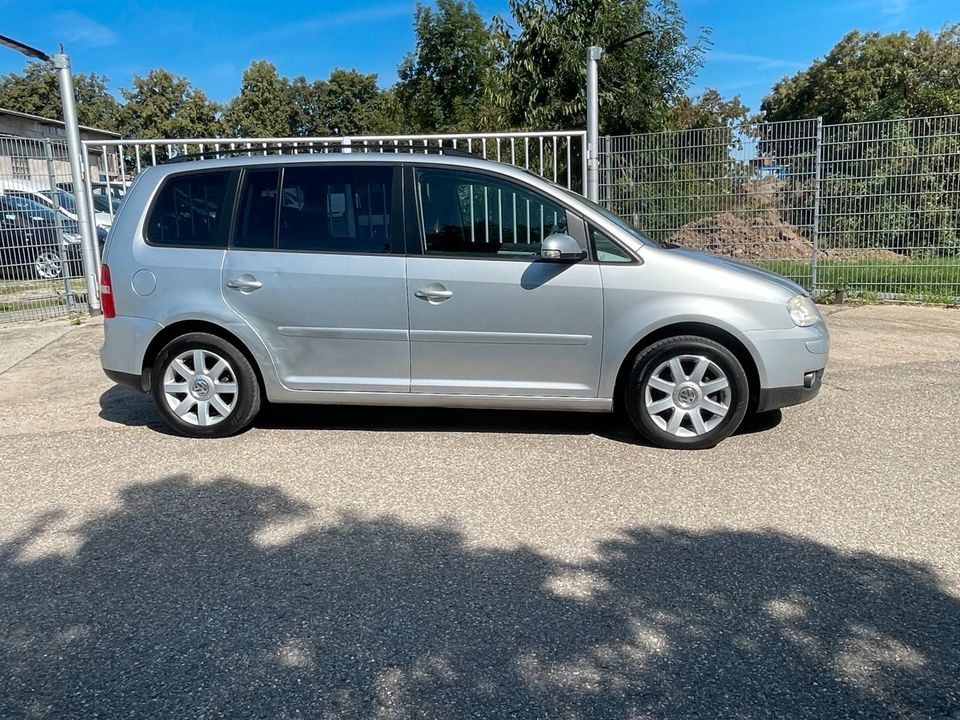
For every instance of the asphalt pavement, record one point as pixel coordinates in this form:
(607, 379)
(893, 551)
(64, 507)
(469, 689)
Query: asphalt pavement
(385, 563)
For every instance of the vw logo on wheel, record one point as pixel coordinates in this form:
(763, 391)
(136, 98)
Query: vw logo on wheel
(201, 387)
(687, 396)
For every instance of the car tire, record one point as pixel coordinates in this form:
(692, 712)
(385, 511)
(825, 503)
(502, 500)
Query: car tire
(686, 392)
(204, 386)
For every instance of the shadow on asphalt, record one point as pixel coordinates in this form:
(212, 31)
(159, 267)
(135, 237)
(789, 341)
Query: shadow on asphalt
(174, 605)
(127, 407)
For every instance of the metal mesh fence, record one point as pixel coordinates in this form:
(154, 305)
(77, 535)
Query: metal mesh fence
(41, 271)
(890, 207)
(869, 208)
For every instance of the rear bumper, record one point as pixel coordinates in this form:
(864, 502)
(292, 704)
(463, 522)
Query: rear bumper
(773, 398)
(134, 382)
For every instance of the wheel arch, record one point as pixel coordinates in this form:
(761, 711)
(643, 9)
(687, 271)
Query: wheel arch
(184, 327)
(712, 332)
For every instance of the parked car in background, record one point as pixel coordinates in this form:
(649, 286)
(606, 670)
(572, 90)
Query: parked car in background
(105, 195)
(434, 280)
(54, 198)
(30, 247)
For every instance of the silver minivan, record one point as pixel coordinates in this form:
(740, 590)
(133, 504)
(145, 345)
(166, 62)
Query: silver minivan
(434, 280)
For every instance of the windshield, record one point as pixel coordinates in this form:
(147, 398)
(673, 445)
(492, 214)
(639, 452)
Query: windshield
(62, 198)
(615, 219)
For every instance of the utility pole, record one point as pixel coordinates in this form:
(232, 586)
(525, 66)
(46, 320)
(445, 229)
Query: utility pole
(594, 53)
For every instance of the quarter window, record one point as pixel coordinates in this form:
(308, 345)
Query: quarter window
(189, 211)
(606, 250)
(336, 209)
(469, 214)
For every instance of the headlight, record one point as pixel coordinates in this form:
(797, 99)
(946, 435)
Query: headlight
(802, 311)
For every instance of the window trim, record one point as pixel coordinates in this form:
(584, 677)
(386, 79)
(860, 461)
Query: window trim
(229, 199)
(572, 216)
(397, 241)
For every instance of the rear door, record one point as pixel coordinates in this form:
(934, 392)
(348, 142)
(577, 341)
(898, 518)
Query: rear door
(487, 315)
(316, 268)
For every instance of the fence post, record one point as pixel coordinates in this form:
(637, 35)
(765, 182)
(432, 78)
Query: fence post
(815, 233)
(606, 164)
(61, 246)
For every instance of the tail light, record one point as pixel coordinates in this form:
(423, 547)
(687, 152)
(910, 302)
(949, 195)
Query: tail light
(106, 293)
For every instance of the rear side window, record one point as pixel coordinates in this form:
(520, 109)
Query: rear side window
(189, 211)
(336, 209)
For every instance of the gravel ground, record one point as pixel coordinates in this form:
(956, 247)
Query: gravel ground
(338, 562)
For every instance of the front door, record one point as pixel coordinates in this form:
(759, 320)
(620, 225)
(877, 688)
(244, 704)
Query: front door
(487, 316)
(316, 268)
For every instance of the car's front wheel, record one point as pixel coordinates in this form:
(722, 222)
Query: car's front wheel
(203, 386)
(686, 392)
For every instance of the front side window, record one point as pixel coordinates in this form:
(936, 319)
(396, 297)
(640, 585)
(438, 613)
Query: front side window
(336, 208)
(189, 211)
(470, 214)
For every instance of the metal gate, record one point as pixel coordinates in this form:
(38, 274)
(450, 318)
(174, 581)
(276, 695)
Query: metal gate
(556, 156)
(41, 270)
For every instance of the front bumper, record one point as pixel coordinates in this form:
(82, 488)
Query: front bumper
(773, 398)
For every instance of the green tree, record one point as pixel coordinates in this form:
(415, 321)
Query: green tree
(542, 81)
(445, 80)
(263, 108)
(347, 103)
(163, 105)
(708, 110)
(869, 76)
(35, 91)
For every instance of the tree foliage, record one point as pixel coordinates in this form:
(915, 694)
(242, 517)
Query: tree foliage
(445, 81)
(36, 91)
(869, 76)
(543, 79)
(163, 105)
(262, 109)
(708, 110)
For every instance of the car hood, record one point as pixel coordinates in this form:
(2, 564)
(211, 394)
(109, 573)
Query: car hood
(729, 263)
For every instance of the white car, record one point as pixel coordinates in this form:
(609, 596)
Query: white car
(55, 199)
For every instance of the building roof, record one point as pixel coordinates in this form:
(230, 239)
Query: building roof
(60, 123)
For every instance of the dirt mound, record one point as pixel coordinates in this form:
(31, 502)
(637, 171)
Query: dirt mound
(763, 236)
(752, 236)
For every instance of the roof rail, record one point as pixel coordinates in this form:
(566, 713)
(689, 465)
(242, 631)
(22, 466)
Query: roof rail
(324, 150)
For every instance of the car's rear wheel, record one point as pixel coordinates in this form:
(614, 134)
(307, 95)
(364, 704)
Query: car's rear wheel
(686, 392)
(203, 386)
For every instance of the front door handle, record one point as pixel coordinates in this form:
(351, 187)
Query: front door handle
(246, 283)
(434, 293)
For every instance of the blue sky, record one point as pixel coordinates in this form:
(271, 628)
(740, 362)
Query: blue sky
(755, 43)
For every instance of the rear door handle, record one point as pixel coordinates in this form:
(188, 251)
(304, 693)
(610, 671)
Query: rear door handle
(246, 283)
(434, 293)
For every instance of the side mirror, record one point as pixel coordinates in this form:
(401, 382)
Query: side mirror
(562, 247)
